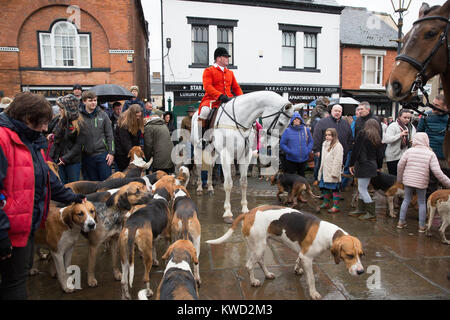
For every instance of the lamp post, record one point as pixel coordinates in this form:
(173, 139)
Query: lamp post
(162, 60)
(400, 7)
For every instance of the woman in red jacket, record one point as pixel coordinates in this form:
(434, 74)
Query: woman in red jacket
(218, 81)
(26, 187)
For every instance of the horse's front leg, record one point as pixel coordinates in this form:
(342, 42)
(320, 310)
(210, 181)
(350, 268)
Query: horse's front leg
(243, 171)
(227, 186)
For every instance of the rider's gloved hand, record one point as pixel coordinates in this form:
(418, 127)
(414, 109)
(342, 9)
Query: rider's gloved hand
(224, 99)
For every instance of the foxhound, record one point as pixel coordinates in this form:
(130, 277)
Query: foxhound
(62, 228)
(142, 228)
(185, 223)
(294, 185)
(178, 282)
(136, 167)
(304, 233)
(111, 215)
(439, 200)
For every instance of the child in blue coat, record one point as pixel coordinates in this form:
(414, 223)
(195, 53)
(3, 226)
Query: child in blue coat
(297, 143)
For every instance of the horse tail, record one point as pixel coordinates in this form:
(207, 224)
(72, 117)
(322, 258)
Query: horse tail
(230, 231)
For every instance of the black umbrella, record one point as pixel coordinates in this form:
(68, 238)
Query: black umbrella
(111, 92)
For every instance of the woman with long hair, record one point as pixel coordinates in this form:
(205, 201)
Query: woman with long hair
(128, 133)
(66, 148)
(330, 170)
(366, 161)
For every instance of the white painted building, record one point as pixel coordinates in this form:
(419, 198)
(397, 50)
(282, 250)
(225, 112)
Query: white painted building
(287, 46)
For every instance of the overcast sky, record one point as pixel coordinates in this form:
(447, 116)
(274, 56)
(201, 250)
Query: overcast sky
(386, 6)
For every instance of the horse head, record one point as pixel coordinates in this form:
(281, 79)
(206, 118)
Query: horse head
(424, 53)
(277, 115)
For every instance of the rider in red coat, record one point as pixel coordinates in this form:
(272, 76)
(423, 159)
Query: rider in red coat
(218, 82)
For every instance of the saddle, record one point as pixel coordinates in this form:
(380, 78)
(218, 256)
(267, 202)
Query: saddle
(211, 118)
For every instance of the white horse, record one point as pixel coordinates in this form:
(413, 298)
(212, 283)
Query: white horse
(232, 129)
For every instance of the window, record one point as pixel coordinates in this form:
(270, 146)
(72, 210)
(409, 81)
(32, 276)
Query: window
(288, 48)
(299, 48)
(225, 40)
(372, 70)
(64, 47)
(200, 45)
(310, 50)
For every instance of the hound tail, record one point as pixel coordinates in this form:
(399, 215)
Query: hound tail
(230, 231)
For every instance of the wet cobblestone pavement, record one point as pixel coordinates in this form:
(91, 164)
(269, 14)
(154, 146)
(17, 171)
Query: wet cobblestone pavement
(410, 265)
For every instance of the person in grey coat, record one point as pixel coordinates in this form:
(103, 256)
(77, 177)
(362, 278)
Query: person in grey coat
(97, 140)
(157, 144)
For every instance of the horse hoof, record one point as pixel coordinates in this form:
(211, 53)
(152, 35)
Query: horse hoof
(210, 193)
(228, 220)
(199, 192)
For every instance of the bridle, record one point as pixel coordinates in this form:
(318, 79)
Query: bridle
(422, 66)
(275, 120)
(240, 126)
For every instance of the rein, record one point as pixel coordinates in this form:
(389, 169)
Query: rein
(418, 83)
(238, 125)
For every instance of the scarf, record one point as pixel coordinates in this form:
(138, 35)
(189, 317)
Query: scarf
(405, 139)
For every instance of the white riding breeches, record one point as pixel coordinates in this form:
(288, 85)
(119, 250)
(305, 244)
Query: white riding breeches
(204, 112)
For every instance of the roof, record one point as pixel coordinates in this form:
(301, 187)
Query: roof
(323, 6)
(360, 27)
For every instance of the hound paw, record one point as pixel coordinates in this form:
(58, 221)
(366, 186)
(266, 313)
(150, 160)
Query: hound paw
(446, 241)
(68, 290)
(33, 272)
(155, 263)
(255, 283)
(117, 275)
(92, 282)
(315, 295)
(149, 293)
(298, 271)
(270, 276)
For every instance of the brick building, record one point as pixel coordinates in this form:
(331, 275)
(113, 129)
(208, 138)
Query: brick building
(47, 46)
(368, 52)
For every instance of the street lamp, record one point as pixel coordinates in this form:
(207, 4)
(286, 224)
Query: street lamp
(400, 7)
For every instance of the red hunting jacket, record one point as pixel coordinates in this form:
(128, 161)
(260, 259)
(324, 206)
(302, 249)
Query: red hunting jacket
(217, 82)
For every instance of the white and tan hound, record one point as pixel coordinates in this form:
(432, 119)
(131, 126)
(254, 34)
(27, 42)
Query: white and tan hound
(440, 201)
(62, 229)
(185, 223)
(178, 282)
(304, 233)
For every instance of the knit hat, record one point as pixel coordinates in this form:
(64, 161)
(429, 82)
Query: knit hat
(71, 104)
(134, 88)
(77, 86)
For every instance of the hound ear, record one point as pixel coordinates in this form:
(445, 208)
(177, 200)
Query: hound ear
(423, 8)
(123, 202)
(194, 255)
(67, 216)
(336, 251)
(168, 252)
